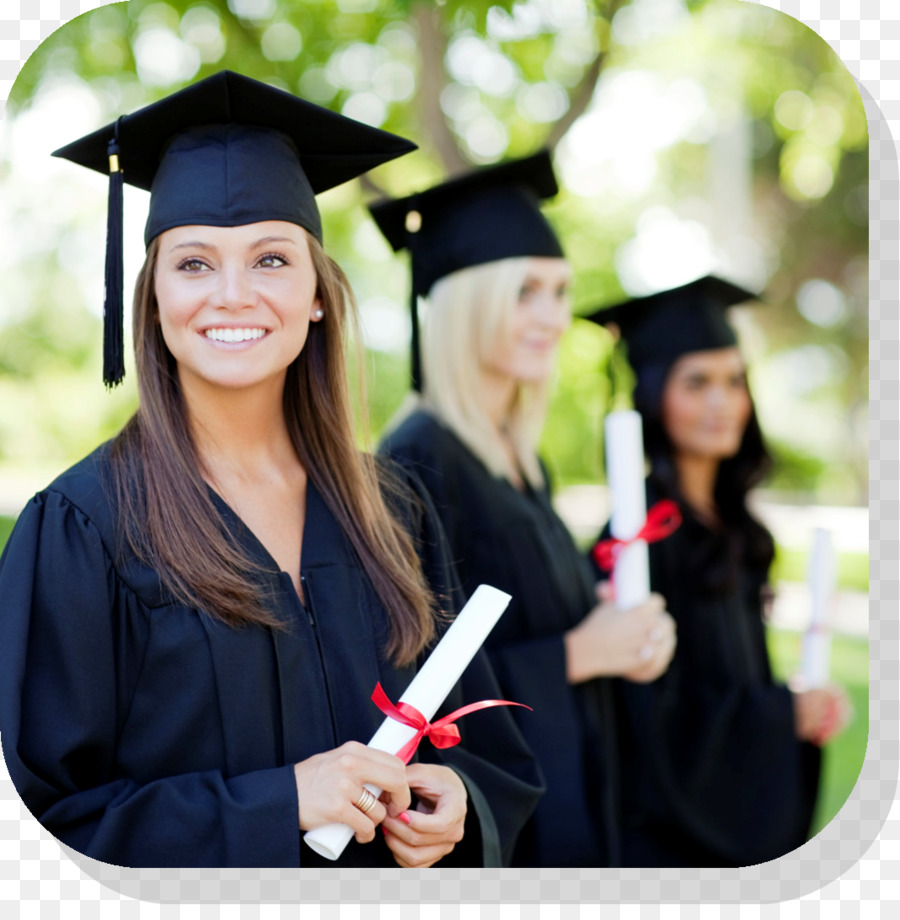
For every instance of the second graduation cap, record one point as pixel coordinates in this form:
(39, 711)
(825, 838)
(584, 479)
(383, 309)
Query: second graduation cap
(661, 327)
(225, 151)
(482, 216)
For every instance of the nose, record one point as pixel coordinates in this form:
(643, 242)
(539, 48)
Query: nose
(235, 290)
(719, 397)
(553, 311)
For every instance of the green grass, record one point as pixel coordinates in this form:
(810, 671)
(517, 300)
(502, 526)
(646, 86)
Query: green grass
(852, 568)
(6, 526)
(844, 756)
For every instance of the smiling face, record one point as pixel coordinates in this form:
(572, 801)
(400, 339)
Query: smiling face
(235, 303)
(706, 404)
(525, 351)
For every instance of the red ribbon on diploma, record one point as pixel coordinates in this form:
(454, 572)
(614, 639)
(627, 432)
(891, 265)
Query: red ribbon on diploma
(443, 733)
(662, 519)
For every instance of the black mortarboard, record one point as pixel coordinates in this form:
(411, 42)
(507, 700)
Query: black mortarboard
(661, 327)
(483, 216)
(224, 152)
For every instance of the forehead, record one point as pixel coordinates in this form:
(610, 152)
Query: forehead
(548, 269)
(244, 235)
(713, 361)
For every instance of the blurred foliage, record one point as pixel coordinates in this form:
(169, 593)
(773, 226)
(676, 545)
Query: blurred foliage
(473, 82)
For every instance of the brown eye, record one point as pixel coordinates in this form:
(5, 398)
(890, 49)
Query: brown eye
(192, 265)
(272, 260)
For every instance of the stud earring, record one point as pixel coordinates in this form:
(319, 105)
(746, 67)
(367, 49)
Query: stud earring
(318, 313)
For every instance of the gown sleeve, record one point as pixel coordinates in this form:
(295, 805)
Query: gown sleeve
(72, 639)
(502, 778)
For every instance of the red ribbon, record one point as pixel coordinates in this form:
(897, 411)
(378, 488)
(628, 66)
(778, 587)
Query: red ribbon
(443, 733)
(662, 519)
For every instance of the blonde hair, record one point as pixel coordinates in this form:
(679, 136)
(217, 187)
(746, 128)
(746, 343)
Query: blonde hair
(467, 312)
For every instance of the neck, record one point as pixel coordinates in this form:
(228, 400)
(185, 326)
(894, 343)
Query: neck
(239, 433)
(496, 395)
(697, 481)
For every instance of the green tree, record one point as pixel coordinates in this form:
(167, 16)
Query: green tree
(703, 83)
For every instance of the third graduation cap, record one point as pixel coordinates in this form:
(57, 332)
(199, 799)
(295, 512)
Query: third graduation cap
(661, 327)
(223, 152)
(483, 216)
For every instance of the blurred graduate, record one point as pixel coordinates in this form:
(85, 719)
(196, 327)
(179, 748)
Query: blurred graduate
(497, 287)
(720, 763)
(195, 616)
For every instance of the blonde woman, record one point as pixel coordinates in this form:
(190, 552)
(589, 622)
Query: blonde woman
(195, 616)
(497, 286)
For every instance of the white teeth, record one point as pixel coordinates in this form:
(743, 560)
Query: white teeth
(234, 335)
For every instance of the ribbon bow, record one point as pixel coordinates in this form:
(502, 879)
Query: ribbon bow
(662, 519)
(443, 733)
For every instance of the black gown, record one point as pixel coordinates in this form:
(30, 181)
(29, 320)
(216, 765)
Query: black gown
(713, 774)
(142, 732)
(516, 542)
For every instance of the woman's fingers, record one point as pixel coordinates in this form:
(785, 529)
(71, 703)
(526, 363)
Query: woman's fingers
(656, 642)
(330, 788)
(421, 837)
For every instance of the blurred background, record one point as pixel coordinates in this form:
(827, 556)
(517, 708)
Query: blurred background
(690, 136)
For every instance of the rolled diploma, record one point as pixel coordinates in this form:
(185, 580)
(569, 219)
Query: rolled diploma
(426, 692)
(821, 580)
(625, 474)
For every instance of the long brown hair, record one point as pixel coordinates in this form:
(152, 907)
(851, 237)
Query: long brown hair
(167, 512)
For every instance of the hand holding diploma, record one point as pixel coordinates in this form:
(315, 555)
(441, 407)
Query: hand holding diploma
(821, 580)
(821, 710)
(629, 633)
(420, 838)
(636, 644)
(419, 703)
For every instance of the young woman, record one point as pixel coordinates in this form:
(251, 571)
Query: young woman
(497, 286)
(195, 616)
(720, 762)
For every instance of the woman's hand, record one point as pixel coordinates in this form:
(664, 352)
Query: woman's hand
(637, 644)
(330, 784)
(436, 825)
(821, 713)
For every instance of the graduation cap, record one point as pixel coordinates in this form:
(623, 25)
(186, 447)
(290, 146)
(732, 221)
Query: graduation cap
(483, 216)
(664, 326)
(223, 152)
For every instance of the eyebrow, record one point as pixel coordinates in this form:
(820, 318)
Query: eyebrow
(264, 241)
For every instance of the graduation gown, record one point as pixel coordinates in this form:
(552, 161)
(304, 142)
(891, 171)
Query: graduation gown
(142, 732)
(516, 542)
(713, 774)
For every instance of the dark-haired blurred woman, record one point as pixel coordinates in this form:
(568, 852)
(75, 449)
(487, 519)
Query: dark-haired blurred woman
(720, 762)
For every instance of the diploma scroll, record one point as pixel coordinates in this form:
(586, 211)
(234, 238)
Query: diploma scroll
(821, 581)
(426, 692)
(625, 475)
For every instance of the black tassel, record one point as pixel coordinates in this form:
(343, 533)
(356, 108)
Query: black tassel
(413, 225)
(416, 348)
(113, 310)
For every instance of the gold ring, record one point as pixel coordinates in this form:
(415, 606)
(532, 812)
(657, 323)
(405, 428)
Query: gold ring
(366, 801)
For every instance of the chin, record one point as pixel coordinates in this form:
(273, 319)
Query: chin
(724, 449)
(537, 372)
